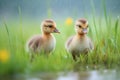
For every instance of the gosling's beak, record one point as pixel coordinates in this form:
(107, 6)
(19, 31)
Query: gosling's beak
(84, 31)
(56, 30)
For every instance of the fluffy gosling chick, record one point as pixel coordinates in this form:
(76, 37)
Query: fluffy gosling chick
(79, 43)
(46, 41)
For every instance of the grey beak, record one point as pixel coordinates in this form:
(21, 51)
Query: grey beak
(84, 31)
(56, 31)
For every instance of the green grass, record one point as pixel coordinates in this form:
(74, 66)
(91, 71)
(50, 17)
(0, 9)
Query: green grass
(103, 31)
(105, 55)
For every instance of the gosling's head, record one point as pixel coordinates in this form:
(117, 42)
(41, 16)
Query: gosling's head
(49, 26)
(81, 26)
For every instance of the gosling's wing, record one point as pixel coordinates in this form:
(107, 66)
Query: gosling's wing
(34, 42)
(68, 42)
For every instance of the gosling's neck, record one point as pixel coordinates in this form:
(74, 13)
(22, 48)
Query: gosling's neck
(47, 35)
(81, 36)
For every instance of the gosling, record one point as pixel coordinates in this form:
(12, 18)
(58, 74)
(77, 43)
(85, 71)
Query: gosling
(79, 43)
(44, 43)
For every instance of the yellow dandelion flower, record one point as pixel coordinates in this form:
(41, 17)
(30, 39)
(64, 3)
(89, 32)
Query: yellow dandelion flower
(4, 56)
(69, 21)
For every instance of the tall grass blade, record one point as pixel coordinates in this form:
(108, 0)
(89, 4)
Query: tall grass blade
(116, 28)
(94, 20)
(8, 34)
(21, 28)
(49, 13)
(105, 11)
(116, 31)
(110, 22)
(49, 10)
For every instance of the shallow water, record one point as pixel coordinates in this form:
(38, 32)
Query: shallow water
(81, 75)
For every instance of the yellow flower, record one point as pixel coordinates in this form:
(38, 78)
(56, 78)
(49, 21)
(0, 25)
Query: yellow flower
(69, 21)
(4, 56)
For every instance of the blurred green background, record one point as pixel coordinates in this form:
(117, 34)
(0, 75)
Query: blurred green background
(57, 9)
(20, 19)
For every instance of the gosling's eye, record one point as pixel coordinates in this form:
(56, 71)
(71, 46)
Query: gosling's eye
(50, 26)
(79, 26)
